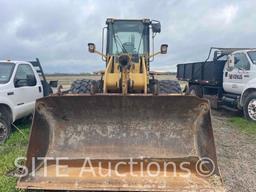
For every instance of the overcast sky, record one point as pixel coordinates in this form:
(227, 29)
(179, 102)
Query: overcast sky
(57, 32)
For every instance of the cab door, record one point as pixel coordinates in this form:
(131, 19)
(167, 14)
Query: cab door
(26, 90)
(236, 77)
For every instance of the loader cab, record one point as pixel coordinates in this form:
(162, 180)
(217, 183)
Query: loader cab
(128, 55)
(127, 37)
(130, 36)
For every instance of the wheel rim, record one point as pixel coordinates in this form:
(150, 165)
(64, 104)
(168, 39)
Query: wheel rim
(252, 109)
(3, 131)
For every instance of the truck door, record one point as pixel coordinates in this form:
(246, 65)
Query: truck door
(234, 79)
(26, 91)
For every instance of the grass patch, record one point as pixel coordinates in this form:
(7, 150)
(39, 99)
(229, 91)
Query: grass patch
(14, 147)
(244, 125)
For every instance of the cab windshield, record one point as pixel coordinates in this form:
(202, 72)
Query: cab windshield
(130, 37)
(252, 55)
(6, 70)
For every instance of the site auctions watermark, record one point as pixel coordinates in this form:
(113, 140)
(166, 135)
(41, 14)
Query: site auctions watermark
(61, 167)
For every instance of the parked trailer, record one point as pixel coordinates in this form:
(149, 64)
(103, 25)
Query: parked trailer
(228, 81)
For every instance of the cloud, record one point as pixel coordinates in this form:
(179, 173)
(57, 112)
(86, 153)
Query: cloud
(229, 13)
(57, 32)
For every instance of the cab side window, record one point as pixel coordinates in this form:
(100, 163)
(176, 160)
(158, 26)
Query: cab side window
(24, 76)
(241, 61)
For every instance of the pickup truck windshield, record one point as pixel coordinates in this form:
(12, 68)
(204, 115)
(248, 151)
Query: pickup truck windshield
(6, 70)
(252, 55)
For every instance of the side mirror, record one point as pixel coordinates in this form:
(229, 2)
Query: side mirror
(156, 26)
(231, 61)
(31, 80)
(53, 84)
(91, 47)
(20, 82)
(163, 48)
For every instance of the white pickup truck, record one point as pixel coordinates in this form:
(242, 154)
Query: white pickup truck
(21, 83)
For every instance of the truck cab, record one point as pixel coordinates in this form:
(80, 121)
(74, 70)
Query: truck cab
(228, 81)
(20, 86)
(239, 70)
(239, 78)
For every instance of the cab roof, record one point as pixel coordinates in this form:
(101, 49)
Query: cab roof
(14, 61)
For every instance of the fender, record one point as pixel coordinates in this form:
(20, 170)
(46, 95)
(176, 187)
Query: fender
(249, 88)
(7, 102)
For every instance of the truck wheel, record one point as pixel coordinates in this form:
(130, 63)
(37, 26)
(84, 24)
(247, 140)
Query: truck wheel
(85, 86)
(195, 90)
(5, 127)
(169, 86)
(249, 108)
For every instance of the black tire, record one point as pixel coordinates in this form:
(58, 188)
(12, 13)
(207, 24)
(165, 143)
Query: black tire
(5, 126)
(169, 86)
(85, 86)
(248, 109)
(196, 90)
(153, 86)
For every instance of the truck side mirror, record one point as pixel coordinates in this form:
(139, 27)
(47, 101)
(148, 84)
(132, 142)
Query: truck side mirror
(231, 61)
(91, 47)
(53, 84)
(163, 48)
(31, 80)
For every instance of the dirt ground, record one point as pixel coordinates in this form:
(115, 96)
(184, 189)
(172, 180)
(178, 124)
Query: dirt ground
(236, 154)
(236, 151)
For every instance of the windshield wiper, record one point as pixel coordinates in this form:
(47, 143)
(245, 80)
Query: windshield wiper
(121, 44)
(142, 35)
(115, 42)
(114, 34)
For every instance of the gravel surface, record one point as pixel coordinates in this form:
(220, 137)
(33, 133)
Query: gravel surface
(236, 152)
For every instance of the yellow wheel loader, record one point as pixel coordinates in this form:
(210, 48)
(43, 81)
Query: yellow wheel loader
(125, 132)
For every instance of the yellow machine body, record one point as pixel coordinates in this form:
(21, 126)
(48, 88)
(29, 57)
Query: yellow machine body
(136, 77)
(124, 122)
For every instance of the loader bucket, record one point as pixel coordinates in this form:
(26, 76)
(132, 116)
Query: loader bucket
(122, 143)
